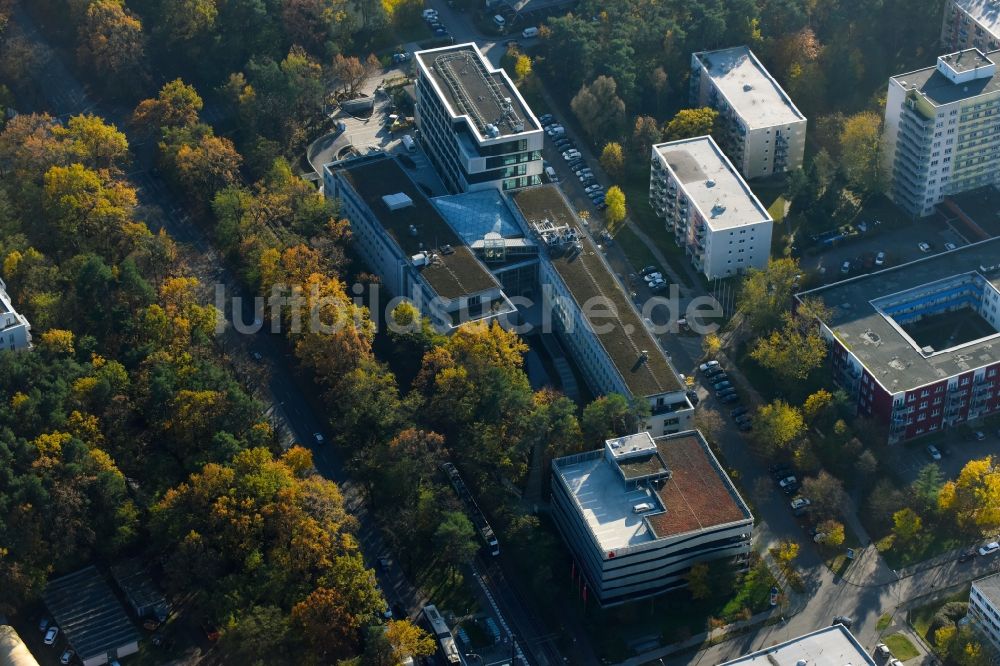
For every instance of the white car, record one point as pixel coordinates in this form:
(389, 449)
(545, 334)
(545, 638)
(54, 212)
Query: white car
(429, 13)
(933, 452)
(571, 154)
(653, 277)
(657, 283)
(708, 365)
(989, 548)
(318, 437)
(592, 188)
(50, 635)
(787, 481)
(67, 656)
(880, 259)
(924, 247)
(950, 246)
(800, 503)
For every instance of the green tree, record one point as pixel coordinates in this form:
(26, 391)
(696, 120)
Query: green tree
(613, 159)
(689, 123)
(645, 133)
(776, 425)
(176, 105)
(827, 494)
(599, 109)
(767, 294)
(611, 416)
(790, 353)
(906, 525)
(833, 533)
(926, 486)
(861, 150)
(616, 212)
(698, 581)
(456, 538)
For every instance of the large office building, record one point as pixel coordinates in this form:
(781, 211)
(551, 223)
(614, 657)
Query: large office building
(460, 258)
(711, 211)
(760, 128)
(829, 646)
(404, 239)
(942, 130)
(917, 346)
(583, 302)
(15, 331)
(984, 607)
(971, 24)
(473, 122)
(639, 513)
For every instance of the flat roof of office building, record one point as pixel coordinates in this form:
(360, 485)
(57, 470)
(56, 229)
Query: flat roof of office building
(588, 277)
(877, 341)
(829, 646)
(698, 495)
(456, 271)
(749, 87)
(472, 87)
(985, 12)
(939, 90)
(89, 614)
(712, 183)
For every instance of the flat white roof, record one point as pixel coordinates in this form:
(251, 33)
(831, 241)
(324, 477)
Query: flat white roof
(985, 12)
(607, 504)
(749, 88)
(829, 646)
(712, 183)
(989, 588)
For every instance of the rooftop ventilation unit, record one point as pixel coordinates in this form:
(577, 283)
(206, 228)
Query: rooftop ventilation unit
(718, 209)
(747, 87)
(397, 201)
(709, 183)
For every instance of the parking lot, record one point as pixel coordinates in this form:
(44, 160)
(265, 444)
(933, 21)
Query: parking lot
(900, 246)
(956, 450)
(571, 184)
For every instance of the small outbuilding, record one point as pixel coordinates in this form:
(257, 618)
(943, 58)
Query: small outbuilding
(93, 620)
(142, 593)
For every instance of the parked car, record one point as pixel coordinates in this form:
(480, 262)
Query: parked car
(592, 188)
(739, 411)
(845, 267)
(924, 247)
(730, 399)
(979, 435)
(441, 32)
(576, 164)
(950, 246)
(652, 277)
(787, 481)
(725, 392)
(429, 13)
(67, 656)
(745, 426)
(399, 58)
(318, 438)
(933, 452)
(774, 596)
(880, 259)
(546, 119)
(966, 556)
(722, 383)
(50, 635)
(43, 624)
(571, 154)
(800, 503)
(989, 548)
(844, 620)
(653, 269)
(692, 395)
(555, 130)
(656, 284)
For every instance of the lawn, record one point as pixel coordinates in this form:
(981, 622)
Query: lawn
(936, 542)
(901, 647)
(920, 618)
(638, 253)
(884, 621)
(447, 589)
(636, 191)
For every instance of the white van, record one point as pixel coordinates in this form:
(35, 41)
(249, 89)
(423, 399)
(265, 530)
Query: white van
(500, 21)
(551, 173)
(408, 143)
(642, 508)
(528, 33)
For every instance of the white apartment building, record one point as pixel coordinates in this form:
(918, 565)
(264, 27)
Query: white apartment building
(759, 127)
(584, 304)
(15, 331)
(942, 130)
(984, 607)
(473, 122)
(715, 217)
(971, 24)
(639, 513)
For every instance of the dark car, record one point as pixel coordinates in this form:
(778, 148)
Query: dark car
(730, 399)
(722, 384)
(844, 620)
(745, 426)
(725, 392)
(739, 411)
(440, 32)
(779, 472)
(693, 397)
(714, 370)
(546, 119)
(967, 556)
